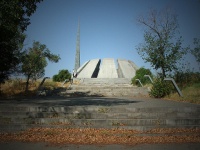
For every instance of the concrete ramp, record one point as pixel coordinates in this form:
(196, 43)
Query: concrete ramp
(127, 69)
(90, 69)
(108, 69)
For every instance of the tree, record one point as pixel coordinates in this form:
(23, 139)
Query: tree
(34, 61)
(196, 50)
(14, 19)
(162, 49)
(140, 75)
(62, 76)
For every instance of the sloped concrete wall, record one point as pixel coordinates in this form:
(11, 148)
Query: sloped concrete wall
(82, 67)
(108, 69)
(89, 69)
(119, 72)
(126, 68)
(134, 65)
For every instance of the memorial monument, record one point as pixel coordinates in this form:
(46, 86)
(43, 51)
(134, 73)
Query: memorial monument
(77, 57)
(105, 68)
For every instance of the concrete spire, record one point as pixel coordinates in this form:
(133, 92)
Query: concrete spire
(77, 57)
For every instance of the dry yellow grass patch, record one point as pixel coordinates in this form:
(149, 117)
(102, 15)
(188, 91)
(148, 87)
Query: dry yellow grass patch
(190, 94)
(15, 88)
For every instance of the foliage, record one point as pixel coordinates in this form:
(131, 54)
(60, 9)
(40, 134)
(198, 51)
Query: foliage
(62, 76)
(34, 61)
(161, 48)
(14, 19)
(196, 50)
(160, 89)
(140, 75)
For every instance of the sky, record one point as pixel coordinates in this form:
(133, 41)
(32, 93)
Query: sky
(108, 29)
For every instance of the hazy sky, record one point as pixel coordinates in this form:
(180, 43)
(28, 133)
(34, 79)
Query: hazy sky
(108, 28)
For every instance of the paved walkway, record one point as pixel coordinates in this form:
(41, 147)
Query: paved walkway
(43, 146)
(96, 101)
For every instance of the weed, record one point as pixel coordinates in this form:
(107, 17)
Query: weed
(87, 123)
(79, 116)
(103, 110)
(117, 123)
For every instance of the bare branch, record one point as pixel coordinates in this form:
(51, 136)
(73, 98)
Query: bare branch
(160, 48)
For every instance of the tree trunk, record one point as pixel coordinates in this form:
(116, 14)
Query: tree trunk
(163, 73)
(27, 83)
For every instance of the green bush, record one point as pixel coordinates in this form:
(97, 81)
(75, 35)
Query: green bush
(140, 75)
(55, 78)
(160, 88)
(62, 76)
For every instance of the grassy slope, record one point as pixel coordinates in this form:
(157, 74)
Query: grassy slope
(190, 94)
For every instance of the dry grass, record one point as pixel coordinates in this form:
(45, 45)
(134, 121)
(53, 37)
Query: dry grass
(190, 94)
(16, 88)
(13, 87)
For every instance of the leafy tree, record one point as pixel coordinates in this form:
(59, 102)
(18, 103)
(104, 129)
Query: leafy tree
(196, 50)
(55, 78)
(140, 75)
(62, 76)
(162, 49)
(14, 19)
(34, 61)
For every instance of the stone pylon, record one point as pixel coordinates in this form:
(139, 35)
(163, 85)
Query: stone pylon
(77, 57)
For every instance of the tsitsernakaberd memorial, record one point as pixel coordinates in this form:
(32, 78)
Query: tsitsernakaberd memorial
(102, 68)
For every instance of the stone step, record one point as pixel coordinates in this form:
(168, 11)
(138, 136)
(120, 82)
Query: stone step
(98, 115)
(106, 92)
(103, 122)
(22, 117)
(103, 80)
(98, 109)
(21, 127)
(126, 87)
(104, 84)
(140, 124)
(108, 88)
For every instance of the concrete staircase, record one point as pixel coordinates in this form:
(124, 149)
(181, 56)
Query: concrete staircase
(109, 87)
(16, 118)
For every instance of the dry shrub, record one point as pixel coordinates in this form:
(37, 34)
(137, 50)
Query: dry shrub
(13, 87)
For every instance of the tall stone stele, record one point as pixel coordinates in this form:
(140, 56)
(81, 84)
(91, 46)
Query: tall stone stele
(77, 57)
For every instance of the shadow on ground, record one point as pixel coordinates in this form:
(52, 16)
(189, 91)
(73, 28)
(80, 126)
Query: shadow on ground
(56, 98)
(75, 101)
